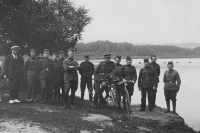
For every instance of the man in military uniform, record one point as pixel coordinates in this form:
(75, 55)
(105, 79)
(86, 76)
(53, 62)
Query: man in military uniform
(129, 75)
(62, 83)
(70, 77)
(147, 83)
(117, 81)
(172, 85)
(102, 72)
(156, 67)
(86, 71)
(46, 68)
(58, 70)
(30, 67)
(13, 71)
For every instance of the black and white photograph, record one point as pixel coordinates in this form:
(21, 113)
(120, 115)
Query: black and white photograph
(99, 66)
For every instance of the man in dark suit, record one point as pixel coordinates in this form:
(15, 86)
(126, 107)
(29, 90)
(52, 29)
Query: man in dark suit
(13, 70)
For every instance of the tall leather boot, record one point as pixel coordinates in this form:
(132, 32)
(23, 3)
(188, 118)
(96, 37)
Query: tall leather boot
(174, 108)
(168, 106)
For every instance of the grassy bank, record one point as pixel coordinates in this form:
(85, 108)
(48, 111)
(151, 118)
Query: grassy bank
(51, 118)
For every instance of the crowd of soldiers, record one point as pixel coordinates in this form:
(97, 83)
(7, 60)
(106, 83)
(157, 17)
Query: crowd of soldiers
(60, 74)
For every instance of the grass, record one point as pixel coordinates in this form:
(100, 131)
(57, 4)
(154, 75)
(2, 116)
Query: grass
(51, 118)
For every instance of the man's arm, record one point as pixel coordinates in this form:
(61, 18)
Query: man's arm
(135, 75)
(92, 71)
(158, 70)
(139, 79)
(164, 78)
(5, 66)
(178, 79)
(154, 78)
(66, 66)
(25, 67)
(96, 71)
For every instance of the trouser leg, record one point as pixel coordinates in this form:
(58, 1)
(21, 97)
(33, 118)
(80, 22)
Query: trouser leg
(73, 91)
(83, 85)
(11, 86)
(43, 86)
(150, 98)
(89, 86)
(143, 100)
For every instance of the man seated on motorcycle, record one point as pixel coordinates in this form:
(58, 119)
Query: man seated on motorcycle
(102, 77)
(129, 76)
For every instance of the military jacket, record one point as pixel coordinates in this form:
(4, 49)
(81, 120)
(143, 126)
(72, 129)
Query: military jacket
(70, 73)
(157, 69)
(172, 80)
(147, 78)
(30, 67)
(128, 72)
(45, 68)
(86, 71)
(58, 70)
(103, 69)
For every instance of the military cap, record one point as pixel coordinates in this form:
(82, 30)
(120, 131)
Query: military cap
(153, 56)
(170, 63)
(61, 52)
(46, 51)
(128, 58)
(14, 47)
(32, 50)
(55, 53)
(118, 56)
(87, 56)
(146, 60)
(108, 55)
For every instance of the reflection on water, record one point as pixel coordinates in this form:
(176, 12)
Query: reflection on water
(188, 99)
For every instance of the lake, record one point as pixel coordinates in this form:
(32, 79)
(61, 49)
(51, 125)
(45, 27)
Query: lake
(188, 98)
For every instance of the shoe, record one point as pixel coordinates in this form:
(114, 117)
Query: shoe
(42, 102)
(11, 101)
(150, 110)
(28, 100)
(167, 111)
(174, 112)
(142, 110)
(65, 106)
(17, 101)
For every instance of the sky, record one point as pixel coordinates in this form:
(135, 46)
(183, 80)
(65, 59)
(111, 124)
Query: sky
(142, 21)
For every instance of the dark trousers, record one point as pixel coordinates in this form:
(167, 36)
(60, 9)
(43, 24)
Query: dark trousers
(56, 91)
(70, 85)
(83, 87)
(46, 90)
(170, 94)
(154, 95)
(32, 86)
(150, 98)
(99, 90)
(120, 93)
(14, 86)
(62, 86)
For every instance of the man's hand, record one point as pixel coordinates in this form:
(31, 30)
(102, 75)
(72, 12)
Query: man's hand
(5, 77)
(71, 66)
(140, 88)
(133, 81)
(154, 88)
(124, 80)
(177, 90)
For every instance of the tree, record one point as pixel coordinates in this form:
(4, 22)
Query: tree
(56, 25)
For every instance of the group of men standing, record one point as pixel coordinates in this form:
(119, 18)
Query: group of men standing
(52, 74)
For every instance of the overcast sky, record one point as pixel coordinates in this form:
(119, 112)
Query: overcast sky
(142, 21)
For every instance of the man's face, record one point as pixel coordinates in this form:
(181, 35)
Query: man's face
(70, 54)
(15, 51)
(153, 59)
(61, 56)
(54, 56)
(46, 54)
(117, 60)
(170, 66)
(107, 59)
(129, 62)
(146, 63)
(87, 59)
(33, 54)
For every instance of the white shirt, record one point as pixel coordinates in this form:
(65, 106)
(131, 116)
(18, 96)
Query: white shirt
(14, 56)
